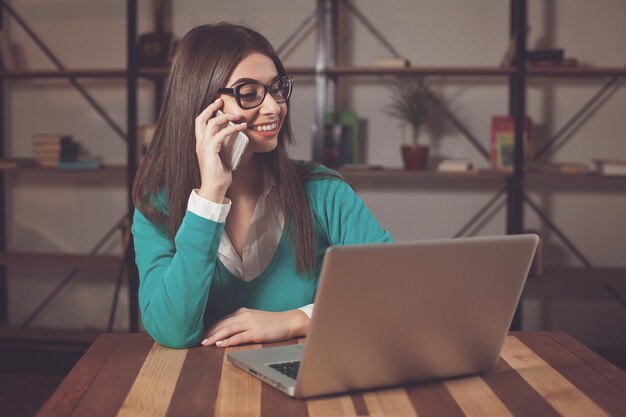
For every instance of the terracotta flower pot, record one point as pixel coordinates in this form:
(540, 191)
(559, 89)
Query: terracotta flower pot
(415, 157)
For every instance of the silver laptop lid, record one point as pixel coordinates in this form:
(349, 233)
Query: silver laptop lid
(386, 314)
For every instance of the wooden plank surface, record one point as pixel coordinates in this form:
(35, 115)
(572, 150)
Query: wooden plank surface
(239, 393)
(111, 385)
(152, 391)
(539, 374)
(558, 391)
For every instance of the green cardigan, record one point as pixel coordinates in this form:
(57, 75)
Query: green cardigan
(184, 288)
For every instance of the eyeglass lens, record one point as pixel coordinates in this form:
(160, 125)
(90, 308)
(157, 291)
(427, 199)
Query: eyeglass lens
(252, 94)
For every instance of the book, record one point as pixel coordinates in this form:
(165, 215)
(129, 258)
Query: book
(392, 62)
(563, 168)
(555, 54)
(502, 143)
(14, 163)
(362, 167)
(337, 148)
(83, 164)
(7, 60)
(565, 62)
(155, 49)
(454, 165)
(50, 139)
(351, 120)
(50, 150)
(610, 167)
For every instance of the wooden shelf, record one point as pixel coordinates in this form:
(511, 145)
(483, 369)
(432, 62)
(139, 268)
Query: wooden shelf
(456, 71)
(337, 71)
(584, 182)
(578, 72)
(399, 175)
(165, 71)
(108, 173)
(397, 178)
(110, 168)
(570, 273)
(47, 339)
(372, 71)
(77, 73)
(59, 260)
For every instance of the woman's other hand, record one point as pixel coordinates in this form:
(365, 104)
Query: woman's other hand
(210, 134)
(257, 326)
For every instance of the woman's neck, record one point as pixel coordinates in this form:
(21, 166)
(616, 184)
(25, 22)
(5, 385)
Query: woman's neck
(247, 179)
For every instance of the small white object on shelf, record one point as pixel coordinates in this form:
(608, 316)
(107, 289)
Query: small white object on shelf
(611, 167)
(454, 165)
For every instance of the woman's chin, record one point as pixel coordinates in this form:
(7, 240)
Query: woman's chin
(262, 143)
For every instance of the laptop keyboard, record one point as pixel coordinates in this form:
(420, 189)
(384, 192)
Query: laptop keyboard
(288, 368)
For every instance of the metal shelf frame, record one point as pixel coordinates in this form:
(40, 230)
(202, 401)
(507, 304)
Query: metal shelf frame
(130, 74)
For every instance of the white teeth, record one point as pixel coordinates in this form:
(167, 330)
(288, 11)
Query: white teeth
(265, 128)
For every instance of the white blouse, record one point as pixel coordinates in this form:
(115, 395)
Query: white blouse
(262, 240)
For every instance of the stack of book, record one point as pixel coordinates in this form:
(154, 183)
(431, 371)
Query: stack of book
(549, 58)
(51, 150)
(502, 147)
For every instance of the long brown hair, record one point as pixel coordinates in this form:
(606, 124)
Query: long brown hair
(203, 62)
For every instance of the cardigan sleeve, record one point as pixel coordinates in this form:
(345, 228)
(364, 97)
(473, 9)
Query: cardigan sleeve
(175, 277)
(343, 216)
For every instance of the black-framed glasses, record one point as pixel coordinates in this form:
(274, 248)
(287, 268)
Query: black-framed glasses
(251, 94)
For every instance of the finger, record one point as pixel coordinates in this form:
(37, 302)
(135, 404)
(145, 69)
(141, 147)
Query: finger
(215, 124)
(223, 333)
(231, 319)
(238, 339)
(205, 115)
(215, 143)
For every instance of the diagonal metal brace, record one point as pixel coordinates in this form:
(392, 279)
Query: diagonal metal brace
(70, 276)
(297, 33)
(456, 122)
(369, 26)
(568, 243)
(584, 109)
(61, 67)
(480, 213)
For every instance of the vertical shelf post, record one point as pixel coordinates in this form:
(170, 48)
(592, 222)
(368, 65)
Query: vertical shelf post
(162, 24)
(517, 105)
(320, 82)
(131, 91)
(333, 57)
(4, 299)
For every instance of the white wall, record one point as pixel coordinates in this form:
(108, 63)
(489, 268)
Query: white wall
(91, 34)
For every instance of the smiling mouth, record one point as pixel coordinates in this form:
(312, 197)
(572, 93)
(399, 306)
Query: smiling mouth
(264, 128)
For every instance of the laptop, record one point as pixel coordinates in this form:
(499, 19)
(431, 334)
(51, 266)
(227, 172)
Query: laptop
(389, 314)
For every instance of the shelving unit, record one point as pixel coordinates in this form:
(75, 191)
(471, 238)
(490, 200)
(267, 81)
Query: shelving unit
(120, 174)
(516, 183)
(325, 72)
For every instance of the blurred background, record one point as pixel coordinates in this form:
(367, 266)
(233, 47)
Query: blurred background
(63, 223)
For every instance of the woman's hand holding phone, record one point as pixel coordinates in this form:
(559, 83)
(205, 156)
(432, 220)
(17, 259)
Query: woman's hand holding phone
(211, 132)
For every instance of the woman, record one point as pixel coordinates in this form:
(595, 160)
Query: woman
(233, 257)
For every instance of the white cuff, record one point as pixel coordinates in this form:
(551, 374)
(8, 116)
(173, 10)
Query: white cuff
(208, 209)
(308, 310)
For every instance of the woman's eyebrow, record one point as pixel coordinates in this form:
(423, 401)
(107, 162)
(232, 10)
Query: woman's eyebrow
(252, 80)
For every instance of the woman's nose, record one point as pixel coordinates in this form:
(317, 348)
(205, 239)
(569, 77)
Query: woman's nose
(269, 105)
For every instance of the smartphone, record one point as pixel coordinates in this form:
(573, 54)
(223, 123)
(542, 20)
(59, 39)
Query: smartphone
(233, 147)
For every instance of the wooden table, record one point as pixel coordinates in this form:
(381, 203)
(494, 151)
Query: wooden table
(539, 374)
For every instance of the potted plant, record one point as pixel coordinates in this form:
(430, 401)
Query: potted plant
(410, 102)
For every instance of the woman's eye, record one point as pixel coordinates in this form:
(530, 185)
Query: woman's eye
(247, 96)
